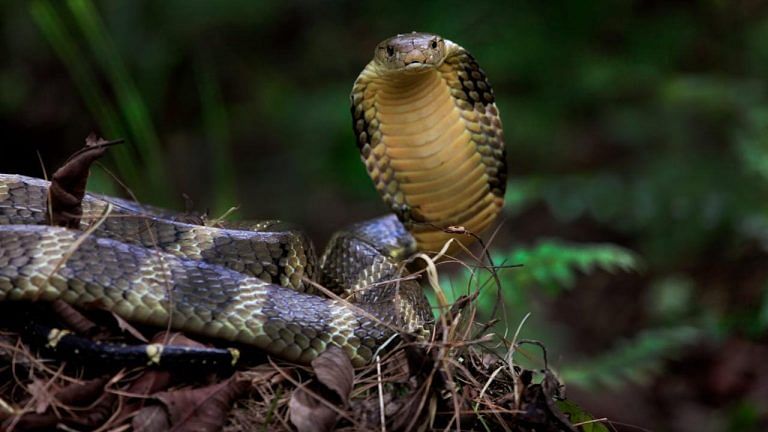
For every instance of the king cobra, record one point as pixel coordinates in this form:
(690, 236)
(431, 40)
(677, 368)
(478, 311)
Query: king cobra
(429, 133)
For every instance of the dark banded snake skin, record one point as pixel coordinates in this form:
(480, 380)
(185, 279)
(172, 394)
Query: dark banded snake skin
(429, 133)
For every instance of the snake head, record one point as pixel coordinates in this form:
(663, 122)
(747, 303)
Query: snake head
(411, 52)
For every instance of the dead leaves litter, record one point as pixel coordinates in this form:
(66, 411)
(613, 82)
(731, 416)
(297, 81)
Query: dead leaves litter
(316, 406)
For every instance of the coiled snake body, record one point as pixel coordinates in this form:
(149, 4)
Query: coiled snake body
(429, 134)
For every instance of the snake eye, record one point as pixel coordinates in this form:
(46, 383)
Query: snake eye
(390, 51)
(433, 44)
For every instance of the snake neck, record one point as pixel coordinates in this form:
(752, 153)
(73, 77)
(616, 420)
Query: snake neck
(426, 147)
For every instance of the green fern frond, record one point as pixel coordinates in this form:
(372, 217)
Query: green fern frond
(553, 265)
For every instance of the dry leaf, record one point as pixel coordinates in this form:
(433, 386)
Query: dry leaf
(335, 377)
(150, 382)
(309, 414)
(82, 393)
(334, 370)
(151, 419)
(201, 409)
(68, 183)
(75, 394)
(264, 374)
(73, 318)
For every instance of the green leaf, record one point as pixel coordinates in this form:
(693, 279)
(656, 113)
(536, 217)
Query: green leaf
(577, 415)
(552, 265)
(555, 264)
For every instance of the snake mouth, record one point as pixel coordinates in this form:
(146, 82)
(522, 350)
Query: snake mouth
(416, 67)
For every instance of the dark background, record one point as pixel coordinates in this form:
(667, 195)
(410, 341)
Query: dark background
(637, 135)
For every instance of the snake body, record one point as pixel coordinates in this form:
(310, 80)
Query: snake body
(429, 134)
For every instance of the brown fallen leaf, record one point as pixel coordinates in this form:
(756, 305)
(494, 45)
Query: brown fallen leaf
(151, 418)
(335, 377)
(264, 374)
(553, 390)
(82, 393)
(201, 409)
(334, 370)
(150, 382)
(309, 414)
(68, 183)
(73, 318)
(78, 394)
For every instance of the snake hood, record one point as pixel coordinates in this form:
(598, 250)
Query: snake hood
(429, 133)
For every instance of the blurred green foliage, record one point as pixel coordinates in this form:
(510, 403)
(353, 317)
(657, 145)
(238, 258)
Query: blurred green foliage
(635, 360)
(549, 266)
(637, 134)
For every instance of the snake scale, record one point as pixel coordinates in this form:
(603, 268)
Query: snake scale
(429, 133)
